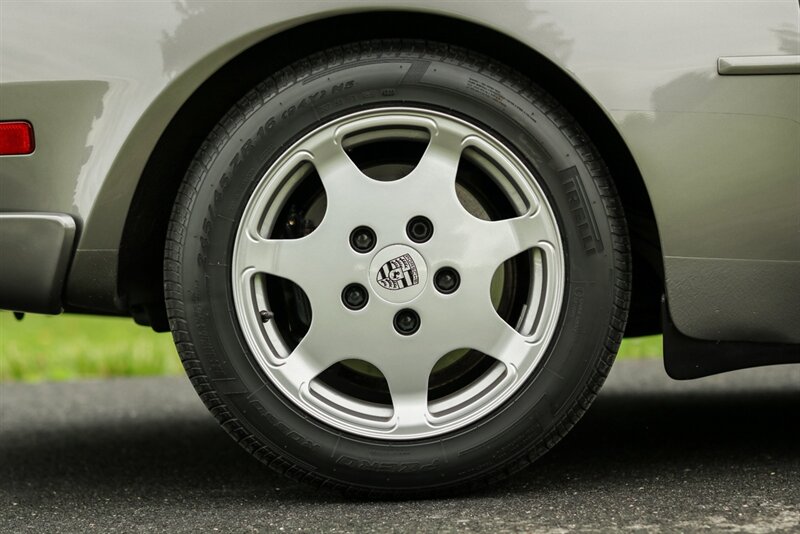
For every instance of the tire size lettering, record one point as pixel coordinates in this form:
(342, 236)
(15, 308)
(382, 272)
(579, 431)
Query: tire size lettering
(388, 467)
(342, 86)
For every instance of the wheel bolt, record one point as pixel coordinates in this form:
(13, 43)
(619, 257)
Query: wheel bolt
(406, 322)
(419, 229)
(362, 239)
(355, 296)
(446, 280)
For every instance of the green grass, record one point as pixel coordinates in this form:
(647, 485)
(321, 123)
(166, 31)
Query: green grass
(69, 347)
(641, 347)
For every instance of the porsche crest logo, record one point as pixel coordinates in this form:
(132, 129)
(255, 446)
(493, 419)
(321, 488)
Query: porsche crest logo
(398, 273)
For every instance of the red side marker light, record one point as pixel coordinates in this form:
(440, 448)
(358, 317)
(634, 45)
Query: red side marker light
(16, 138)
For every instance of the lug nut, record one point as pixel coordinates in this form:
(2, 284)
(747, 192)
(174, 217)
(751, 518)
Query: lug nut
(355, 296)
(406, 322)
(362, 239)
(446, 280)
(419, 229)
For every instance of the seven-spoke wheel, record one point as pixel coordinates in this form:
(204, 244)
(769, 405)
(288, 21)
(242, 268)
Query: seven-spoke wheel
(397, 267)
(387, 290)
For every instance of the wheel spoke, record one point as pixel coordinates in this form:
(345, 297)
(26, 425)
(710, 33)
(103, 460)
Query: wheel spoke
(308, 359)
(439, 163)
(339, 175)
(287, 258)
(408, 385)
(500, 341)
(507, 238)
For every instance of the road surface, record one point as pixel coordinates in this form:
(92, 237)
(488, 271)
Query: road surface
(652, 455)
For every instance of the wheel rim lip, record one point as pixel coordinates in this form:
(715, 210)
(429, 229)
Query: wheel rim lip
(260, 344)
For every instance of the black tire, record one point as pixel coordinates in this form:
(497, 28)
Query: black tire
(235, 155)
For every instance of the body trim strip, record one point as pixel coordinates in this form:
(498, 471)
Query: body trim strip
(758, 65)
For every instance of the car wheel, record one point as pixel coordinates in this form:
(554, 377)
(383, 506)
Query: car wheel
(396, 268)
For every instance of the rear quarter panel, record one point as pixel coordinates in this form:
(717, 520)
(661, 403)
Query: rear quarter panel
(101, 80)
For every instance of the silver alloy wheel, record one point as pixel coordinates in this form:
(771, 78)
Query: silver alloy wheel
(323, 262)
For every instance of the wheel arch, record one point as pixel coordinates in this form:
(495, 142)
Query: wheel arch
(141, 249)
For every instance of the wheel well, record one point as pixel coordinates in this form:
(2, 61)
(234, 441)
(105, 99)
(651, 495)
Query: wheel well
(141, 252)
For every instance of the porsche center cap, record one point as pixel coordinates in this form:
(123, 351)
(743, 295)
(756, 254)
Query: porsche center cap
(398, 273)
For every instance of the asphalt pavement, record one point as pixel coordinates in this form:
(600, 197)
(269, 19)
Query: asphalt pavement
(720, 454)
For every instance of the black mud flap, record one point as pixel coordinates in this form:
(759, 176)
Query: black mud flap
(686, 357)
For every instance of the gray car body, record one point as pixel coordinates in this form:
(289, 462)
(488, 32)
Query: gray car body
(718, 155)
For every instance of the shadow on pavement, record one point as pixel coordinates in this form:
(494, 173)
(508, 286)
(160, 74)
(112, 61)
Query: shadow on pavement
(625, 438)
(641, 436)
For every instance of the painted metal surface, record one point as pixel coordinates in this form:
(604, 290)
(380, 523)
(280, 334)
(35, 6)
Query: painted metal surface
(100, 81)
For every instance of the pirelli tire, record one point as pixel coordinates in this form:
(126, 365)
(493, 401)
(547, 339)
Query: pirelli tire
(283, 307)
